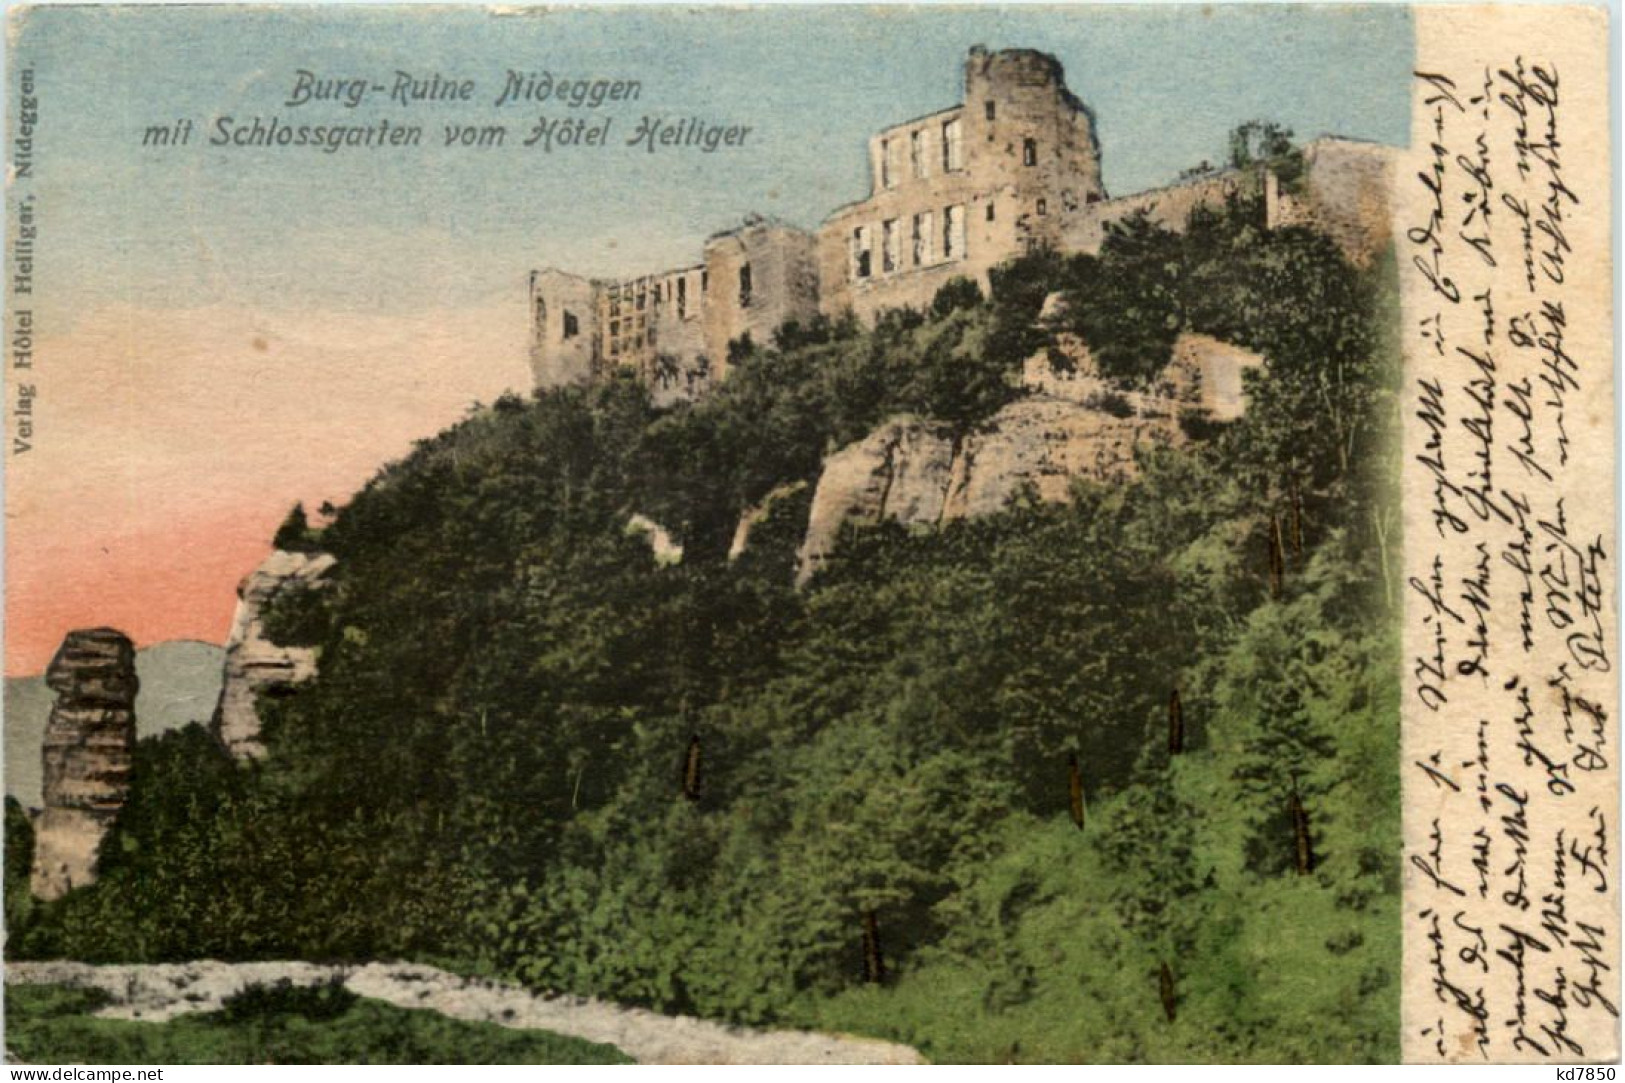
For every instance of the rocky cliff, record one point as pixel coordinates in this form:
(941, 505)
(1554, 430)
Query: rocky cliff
(1203, 375)
(255, 665)
(87, 751)
(918, 472)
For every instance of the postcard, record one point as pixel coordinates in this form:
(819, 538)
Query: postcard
(810, 534)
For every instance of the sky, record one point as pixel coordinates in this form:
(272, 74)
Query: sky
(220, 332)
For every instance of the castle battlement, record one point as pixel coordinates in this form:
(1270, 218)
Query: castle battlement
(1011, 168)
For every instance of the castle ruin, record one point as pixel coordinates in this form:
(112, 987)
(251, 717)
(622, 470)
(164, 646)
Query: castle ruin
(1012, 168)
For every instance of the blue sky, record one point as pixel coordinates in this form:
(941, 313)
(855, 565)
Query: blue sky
(398, 231)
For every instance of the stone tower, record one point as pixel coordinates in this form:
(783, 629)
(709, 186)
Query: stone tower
(1031, 140)
(88, 748)
(1013, 167)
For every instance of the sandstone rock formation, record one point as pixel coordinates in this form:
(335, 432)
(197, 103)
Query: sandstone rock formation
(254, 664)
(88, 748)
(754, 517)
(665, 548)
(1203, 374)
(916, 472)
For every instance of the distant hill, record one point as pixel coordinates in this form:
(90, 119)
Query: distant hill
(180, 682)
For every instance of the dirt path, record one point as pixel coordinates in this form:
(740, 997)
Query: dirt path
(157, 992)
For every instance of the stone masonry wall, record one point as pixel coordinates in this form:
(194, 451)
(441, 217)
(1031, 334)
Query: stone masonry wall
(1345, 193)
(1027, 163)
(1168, 207)
(563, 328)
(782, 286)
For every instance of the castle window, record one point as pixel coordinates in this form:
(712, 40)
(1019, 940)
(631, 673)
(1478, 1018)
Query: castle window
(990, 212)
(614, 327)
(1092, 197)
(888, 163)
(705, 282)
(860, 252)
(682, 298)
(1029, 152)
(923, 228)
(990, 110)
(1043, 208)
(541, 317)
(919, 154)
(891, 245)
(571, 327)
(953, 232)
(642, 297)
(953, 154)
(744, 285)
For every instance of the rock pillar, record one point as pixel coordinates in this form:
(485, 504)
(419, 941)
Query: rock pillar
(88, 748)
(254, 665)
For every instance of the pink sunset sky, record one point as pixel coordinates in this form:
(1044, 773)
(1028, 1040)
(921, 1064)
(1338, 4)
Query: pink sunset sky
(169, 445)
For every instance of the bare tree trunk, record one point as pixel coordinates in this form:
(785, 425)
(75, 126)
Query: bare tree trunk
(1379, 526)
(1176, 725)
(1297, 519)
(874, 965)
(1303, 857)
(1165, 989)
(1276, 557)
(691, 769)
(1075, 789)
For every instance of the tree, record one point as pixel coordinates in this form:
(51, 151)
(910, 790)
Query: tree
(957, 293)
(1259, 141)
(1266, 143)
(295, 534)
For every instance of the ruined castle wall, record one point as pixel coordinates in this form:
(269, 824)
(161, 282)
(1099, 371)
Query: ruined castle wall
(958, 192)
(1031, 139)
(654, 326)
(1218, 370)
(941, 231)
(564, 328)
(759, 277)
(1344, 193)
(1168, 207)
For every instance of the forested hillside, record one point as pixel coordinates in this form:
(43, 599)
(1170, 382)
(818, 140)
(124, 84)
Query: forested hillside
(1109, 780)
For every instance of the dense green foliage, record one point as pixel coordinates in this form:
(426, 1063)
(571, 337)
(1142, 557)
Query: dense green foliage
(295, 533)
(53, 1024)
(536, 751)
